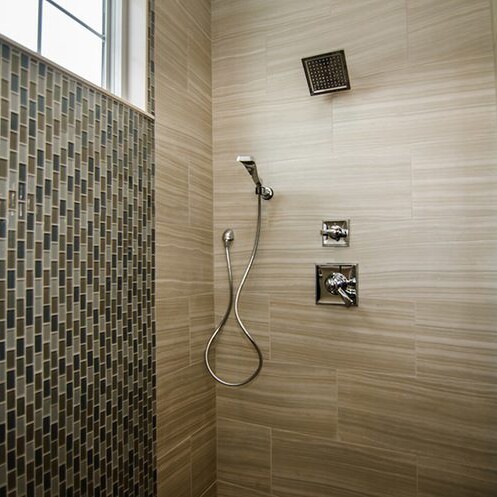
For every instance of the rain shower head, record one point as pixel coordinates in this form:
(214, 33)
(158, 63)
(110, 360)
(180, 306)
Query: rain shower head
(249, 163)
(326, 73)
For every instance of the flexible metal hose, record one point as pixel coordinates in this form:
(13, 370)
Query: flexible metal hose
(221, 324)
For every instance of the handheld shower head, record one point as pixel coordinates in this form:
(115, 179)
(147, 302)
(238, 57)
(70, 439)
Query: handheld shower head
(250, 166)
(249, 162)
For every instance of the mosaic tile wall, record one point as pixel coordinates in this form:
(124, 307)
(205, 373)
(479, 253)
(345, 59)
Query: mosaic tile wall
(76, 288)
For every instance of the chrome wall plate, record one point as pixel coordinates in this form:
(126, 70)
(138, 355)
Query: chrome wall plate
(337, 284)
(335, 233)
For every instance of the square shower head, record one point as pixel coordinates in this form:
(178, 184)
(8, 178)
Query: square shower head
(326, 73)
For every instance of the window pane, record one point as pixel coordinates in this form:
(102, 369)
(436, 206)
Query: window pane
(88, 11)
(19, 21)
(71, 45)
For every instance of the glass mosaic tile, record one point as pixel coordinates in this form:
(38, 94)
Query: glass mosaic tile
(77, 396)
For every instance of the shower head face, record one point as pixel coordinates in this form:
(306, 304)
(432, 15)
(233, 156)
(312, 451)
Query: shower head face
(249, 163)
(326, 73)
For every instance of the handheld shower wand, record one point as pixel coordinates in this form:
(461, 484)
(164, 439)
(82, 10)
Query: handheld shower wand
(249, 162)
(265, 193)
(251, 167)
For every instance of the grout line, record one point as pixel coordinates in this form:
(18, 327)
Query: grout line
(174, 447)
(493, 15)
(333, 441)
(236, 420)
(195, 21)
(270, 353)
(408, 45)
(337, 407)
(251, 491)
(415, 330)
(209, 488)
(270, 460)
(417, 474)
(191, 465)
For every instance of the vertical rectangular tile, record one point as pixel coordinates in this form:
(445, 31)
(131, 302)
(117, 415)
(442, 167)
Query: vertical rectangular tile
(173, 334)
(201, 324)
(204, 456)
(174, 472)
(185, 404)
(244, 454)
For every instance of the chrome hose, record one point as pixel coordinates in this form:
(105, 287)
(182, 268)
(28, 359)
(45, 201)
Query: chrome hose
(221, 324)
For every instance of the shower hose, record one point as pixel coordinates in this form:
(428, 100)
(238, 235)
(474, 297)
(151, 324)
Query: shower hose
(218, 330)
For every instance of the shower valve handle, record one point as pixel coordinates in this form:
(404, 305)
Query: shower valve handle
(338, 284)
(335, 232)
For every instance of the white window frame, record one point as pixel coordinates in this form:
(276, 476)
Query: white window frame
(114, 55)
(124, 46)
(104, 35)
(126, 58)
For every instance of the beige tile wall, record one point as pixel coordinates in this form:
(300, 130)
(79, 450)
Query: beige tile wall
(397, 397)
(186, 421)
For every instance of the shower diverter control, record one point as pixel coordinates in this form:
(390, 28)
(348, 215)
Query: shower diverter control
(336, 284)
(335, 233)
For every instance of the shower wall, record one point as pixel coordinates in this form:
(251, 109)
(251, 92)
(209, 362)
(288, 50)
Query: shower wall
(398, 396)
(186, 423)
(76, 286)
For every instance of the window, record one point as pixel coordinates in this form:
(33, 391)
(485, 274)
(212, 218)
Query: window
(103, 41)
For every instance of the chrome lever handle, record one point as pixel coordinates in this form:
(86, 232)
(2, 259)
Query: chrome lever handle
(337, 284)
(346, 299)
(335, 232)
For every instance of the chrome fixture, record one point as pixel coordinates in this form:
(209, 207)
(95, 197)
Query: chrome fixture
(337, 284)
(326, 73)
(335, 233)
(251, 167)
(265, 193)
(228, 237)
